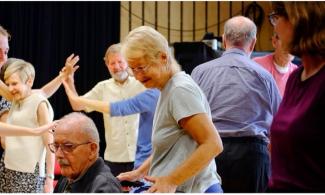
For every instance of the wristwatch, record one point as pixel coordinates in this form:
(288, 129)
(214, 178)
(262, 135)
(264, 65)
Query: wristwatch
(51, 176)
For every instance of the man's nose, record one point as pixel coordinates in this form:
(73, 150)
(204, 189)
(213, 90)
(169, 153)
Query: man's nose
(59, 153)
(118, 67)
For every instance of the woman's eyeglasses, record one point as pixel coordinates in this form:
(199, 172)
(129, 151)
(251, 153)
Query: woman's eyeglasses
(273, 18)
(140, 69)
(275, 15)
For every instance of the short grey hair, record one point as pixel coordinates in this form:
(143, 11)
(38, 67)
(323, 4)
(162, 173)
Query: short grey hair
(240, 31)
(113, 49)
(86, 125)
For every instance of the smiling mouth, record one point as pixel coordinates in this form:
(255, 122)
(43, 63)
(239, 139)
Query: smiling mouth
(145, 80)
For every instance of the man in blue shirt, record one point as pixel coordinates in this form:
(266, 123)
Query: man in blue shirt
(243, 98)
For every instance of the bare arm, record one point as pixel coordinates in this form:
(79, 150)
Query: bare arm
(202, 130)
(13, 130)
(3, 118)
(137, 174)
(81, 102)
(43, 118)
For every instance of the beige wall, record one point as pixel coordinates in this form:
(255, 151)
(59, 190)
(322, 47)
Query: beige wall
(264, 33)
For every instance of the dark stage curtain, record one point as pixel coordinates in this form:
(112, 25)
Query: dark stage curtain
(45, 33)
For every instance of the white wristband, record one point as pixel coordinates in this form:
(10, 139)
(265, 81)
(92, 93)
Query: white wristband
(51, 176)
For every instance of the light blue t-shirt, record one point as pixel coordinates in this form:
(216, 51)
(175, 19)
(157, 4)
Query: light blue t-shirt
(180, 98)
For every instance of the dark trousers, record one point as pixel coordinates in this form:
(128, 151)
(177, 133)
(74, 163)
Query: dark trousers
(244, 165)
(119, 167)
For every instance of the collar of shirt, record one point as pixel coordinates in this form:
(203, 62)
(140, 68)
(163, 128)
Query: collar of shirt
(235, 51)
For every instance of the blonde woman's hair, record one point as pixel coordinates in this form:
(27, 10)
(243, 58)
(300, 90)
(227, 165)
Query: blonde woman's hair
(24, 69)
(145, 42)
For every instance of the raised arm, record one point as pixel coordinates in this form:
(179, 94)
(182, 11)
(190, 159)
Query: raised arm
(80, 102)
(70, 67)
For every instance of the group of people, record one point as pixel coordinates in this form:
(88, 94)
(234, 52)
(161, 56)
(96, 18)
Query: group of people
(232, 126)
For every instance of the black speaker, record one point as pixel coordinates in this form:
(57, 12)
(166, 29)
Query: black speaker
(191, 54)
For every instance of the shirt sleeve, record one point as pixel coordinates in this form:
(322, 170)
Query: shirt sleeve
(143, 102)
(185, 102)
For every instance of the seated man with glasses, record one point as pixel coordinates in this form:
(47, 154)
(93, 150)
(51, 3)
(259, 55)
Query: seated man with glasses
(76, 147)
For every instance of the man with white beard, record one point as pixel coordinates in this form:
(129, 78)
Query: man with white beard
(120, 132)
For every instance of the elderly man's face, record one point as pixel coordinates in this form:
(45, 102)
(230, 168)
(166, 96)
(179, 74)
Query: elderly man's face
(117, 66)
(74, 152)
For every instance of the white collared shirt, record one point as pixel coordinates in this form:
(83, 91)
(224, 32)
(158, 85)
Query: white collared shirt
(120, 132)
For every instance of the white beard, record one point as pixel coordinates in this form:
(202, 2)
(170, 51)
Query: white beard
(120, 76)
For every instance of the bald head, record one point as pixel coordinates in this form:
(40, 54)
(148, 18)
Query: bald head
(240, 32)
(78, 124)
(76, 144)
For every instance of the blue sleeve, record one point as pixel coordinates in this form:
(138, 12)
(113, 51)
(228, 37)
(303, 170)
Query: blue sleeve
(143, 102)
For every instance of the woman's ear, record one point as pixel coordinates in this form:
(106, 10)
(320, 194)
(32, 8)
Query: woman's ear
(30, 81)
(163, 58)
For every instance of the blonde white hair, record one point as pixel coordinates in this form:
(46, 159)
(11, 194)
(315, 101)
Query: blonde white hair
(145, 42)
(25, 70)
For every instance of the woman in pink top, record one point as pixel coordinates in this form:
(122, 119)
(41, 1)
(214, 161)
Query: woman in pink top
(278, 63)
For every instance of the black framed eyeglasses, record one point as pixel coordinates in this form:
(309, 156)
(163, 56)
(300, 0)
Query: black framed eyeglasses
(276, 14)
(273, 18)
(65, 148)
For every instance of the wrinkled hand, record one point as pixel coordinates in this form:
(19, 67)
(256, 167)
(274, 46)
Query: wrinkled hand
(70, 66)
(160, 185)
(130, 176)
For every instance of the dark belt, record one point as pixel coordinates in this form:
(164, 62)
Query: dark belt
(244, 140)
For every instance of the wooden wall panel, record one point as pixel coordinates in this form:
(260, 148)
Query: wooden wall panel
(227, 9)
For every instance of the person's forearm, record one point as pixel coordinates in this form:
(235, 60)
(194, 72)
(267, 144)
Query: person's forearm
(13, 130)
(70, 89)
(99, 106)
(144, 168)
(199, 159)
(50, 161)
(51, 87)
